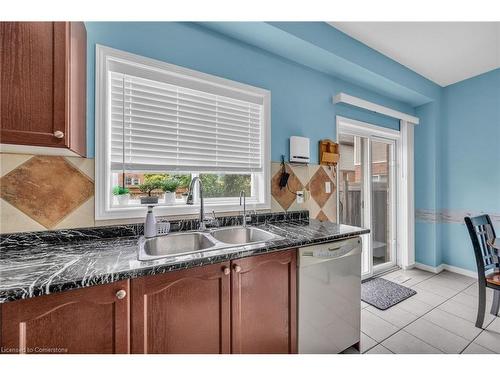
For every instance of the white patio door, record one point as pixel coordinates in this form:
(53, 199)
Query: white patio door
(367, 191)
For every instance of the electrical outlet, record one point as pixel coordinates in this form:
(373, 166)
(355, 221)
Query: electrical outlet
(300, 197)
(328, 187)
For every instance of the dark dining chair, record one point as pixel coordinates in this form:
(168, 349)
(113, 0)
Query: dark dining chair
(481, 231)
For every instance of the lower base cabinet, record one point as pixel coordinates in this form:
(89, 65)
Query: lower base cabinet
(88, 320)
(184, 312)
(264, 304)
(244, 306)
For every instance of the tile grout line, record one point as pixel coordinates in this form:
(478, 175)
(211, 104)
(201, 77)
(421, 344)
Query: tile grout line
(482, 330)
(422, 316)
(402, 328)
(436, 307)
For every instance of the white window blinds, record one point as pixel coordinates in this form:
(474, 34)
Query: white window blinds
(157, 126)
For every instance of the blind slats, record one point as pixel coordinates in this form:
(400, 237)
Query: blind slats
(158, 126)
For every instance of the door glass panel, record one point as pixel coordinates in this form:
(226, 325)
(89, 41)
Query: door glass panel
(351, 189)
(381, 199)
(350, 181)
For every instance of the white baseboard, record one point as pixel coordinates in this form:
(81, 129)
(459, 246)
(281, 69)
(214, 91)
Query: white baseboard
(425, 267)
(446, 267)
(461, 271)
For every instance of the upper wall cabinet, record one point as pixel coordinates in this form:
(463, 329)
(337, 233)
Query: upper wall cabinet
(43, 87)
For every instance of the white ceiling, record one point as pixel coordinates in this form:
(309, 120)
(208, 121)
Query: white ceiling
(444, 52)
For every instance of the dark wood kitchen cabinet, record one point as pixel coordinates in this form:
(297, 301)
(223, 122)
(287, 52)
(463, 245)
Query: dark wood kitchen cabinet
(43, 86)
(264, 304)
(245, 306)
(87, 320)
(184, 312)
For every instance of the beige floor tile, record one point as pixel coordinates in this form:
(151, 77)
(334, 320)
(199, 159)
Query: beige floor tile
(453, 323)
(375, 327)
(476, 349)
(409, 277)
(450, 282)
(490, 337)
(473, 290)
(405, 343)
(465, 312)
(366, 343)
(466, 280)
(436, 336)
(471, 301)
(379, 349)
(394, 315)
(437, 287)
(428, 297)
(415, 306)
(489, 340)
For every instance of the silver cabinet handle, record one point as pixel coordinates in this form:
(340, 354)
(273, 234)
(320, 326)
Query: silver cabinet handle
(121, 294)
(237, 268)
(226, 271)
(58, 134)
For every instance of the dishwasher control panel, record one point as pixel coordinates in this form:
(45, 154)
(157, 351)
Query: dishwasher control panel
(328, 250)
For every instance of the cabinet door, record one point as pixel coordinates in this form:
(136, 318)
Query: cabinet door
(182, 312)
(264, 304)
(87, 320)
(33, 82)
(43, 84)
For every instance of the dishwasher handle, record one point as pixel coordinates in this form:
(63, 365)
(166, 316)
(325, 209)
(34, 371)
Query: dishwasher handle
(328, 252)
(336, 255)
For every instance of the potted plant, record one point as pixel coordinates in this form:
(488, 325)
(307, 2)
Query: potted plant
(148, 187)
(169, 186)
(122, 194)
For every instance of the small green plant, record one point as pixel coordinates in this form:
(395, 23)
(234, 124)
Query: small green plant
(120, 190)
(170, 185)
(149, 186)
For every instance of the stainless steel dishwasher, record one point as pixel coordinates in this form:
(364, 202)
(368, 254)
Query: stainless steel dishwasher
(329, 294)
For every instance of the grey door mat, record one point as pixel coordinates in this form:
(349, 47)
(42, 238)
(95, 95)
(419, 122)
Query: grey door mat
(383, 293)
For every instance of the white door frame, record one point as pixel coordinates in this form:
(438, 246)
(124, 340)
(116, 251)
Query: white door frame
(403, 184)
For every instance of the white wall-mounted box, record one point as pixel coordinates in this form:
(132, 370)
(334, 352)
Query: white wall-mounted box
(299, 150)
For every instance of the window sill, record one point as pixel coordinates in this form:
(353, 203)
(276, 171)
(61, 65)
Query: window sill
(177, 209)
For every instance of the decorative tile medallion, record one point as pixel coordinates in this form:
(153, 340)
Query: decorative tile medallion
(46, 188)
(317, 187)
(284, 196)
(321, 216)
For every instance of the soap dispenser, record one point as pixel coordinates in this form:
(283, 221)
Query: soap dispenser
(150, 223)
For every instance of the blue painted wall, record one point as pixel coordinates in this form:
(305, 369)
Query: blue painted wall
(469, 155)
(427, 250)
(301, 97)
(456, 142)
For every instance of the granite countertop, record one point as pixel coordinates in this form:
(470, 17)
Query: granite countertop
(34, 264)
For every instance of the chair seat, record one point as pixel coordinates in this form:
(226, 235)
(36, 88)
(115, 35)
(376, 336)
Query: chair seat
(494, 278)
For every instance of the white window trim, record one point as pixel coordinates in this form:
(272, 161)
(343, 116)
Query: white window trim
(105, 55)
(405, 226)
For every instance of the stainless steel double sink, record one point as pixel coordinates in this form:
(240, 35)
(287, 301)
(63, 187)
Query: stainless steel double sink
(183, 243)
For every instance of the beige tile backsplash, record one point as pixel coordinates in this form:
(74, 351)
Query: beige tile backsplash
(78, 211)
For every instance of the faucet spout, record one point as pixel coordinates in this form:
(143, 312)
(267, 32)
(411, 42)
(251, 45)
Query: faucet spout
(243, 197)
(190, 200)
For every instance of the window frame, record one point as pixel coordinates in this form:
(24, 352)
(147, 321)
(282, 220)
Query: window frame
(104, 209)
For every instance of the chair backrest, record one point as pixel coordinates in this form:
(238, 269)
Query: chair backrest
(481, 231)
